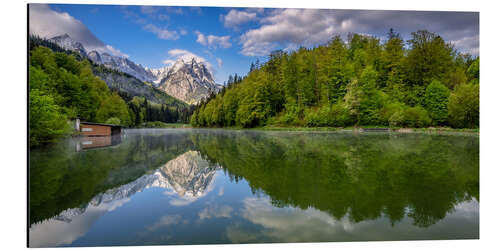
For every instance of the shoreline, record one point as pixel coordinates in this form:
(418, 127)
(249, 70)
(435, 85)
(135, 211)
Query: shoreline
(429, 130)
(376, 129)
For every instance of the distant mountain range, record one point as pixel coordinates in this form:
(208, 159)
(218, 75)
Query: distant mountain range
(189, 81)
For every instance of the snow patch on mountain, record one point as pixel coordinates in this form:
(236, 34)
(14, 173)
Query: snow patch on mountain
(189, 81)
(186, 80)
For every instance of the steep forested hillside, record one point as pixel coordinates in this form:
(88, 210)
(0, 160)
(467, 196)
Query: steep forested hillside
(61, 87)
(363, 81)
(124, 83)
(64, 85)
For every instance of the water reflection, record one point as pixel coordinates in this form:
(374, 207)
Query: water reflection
(85, 143)
(290, 224)
(189, 176)
(185, 178)
(359, 177)
(210, 186)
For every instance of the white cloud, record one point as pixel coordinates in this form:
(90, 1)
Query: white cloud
(290, 224)
(235, 18)
(165, 221)
(186, 56)
(289, 28)
(55, 232)
(219, 63)
(148, 9)
(213, 41)
(156, 12)
(42, 20)
(468, 44)
(216, 211)
(161, 32)
(115, 51)
(286, 224)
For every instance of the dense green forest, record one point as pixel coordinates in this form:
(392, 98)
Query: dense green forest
(62, 86)
(362, 81)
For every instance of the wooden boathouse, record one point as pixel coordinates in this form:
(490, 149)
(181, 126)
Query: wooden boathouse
(97, 129)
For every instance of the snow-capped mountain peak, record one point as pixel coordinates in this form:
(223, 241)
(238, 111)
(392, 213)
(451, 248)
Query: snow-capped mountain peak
(159, 73)
(66, 42)
(188, 79)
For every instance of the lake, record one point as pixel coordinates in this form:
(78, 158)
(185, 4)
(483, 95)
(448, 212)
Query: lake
(204, 186)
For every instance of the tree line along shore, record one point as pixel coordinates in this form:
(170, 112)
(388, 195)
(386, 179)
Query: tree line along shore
(363, 81)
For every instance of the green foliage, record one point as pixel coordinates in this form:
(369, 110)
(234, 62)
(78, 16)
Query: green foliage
(436, 102)
(46, 121)
(463, 106)
(69, 82)
(365, 81)
(413, 117)
(141, 111)
(429, 57)
(113, 120)
(74, 88)
(416, 117)
(473, 72)
(114, 107)
(335, 115)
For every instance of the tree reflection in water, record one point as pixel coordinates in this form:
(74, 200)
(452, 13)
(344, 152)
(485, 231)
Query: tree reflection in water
(363, 177)
(273, 187)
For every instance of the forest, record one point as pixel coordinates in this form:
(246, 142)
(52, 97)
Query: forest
(63, 86)
(364, 81)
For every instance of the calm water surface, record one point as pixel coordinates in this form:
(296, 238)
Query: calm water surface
(182, 186)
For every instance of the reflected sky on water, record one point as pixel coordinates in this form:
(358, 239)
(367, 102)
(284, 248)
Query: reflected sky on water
(172, 186)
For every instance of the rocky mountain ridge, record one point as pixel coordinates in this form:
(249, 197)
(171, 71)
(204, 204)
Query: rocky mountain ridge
(189, 81)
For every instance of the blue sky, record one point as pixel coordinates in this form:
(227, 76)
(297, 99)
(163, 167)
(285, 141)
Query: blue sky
(229, 39)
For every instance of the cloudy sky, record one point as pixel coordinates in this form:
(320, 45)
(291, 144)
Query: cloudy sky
(229, 39)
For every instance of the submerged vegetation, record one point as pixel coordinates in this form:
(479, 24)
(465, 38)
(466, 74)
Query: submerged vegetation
(363, 81)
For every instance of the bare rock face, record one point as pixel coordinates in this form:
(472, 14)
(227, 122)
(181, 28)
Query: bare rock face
(189, 82)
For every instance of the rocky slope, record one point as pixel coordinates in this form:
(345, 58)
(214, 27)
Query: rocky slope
(189, 81)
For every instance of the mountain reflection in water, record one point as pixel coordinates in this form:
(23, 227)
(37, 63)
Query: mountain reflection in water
(186, 178)
(182, 186)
